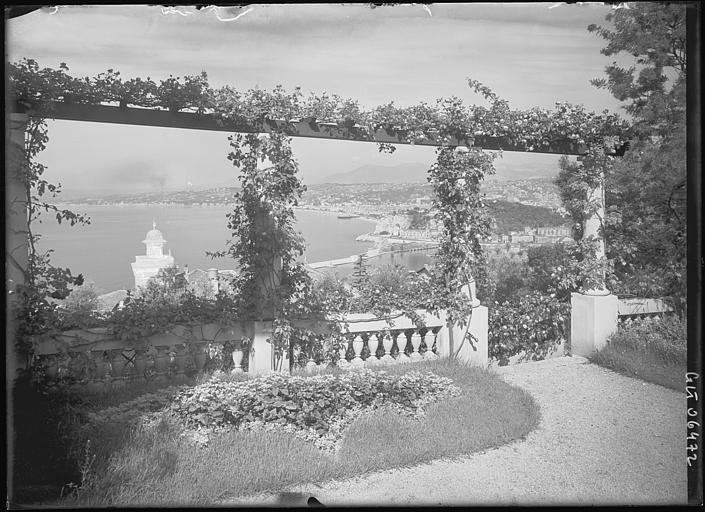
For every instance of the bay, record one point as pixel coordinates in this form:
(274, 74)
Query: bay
(103, 250)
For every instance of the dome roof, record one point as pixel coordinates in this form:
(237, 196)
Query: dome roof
(154, 235)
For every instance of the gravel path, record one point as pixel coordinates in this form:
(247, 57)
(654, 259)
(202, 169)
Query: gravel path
(603, 439)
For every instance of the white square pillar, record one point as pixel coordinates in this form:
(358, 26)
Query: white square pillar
(593, 318)
(262, 353)
(478, 328)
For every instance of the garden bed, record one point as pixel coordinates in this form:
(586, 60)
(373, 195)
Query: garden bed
(223, 438)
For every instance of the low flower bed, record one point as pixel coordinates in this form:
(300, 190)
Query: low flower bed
(315, 408)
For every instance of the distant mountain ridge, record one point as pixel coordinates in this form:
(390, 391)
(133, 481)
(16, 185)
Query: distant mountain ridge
(417, 173)
(371, 173)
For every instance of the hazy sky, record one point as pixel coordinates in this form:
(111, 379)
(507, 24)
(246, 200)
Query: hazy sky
(530, 54)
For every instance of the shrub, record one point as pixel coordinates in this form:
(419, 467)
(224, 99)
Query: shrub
(551, 269)
(665, 337)
(391, 288)
(314, 407)
(532, 325)
(505, 276)
(80, 307)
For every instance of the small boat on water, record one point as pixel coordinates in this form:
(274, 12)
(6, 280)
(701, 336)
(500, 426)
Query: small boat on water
(348, 216)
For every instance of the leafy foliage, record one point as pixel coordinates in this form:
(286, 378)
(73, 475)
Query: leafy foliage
(79, 308)
(530, 326)
(535, 129)
(456, 179)
(665, 336)
(578, 183)
(311, 404)
(654, 33)
(165, 302)
(392, 289)
(506, 276)
(645, 192)
(552, 270)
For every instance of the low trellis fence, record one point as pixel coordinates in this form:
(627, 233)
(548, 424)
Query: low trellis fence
(94, 360)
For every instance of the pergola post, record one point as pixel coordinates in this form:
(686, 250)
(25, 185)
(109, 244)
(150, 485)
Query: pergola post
(16, 263)
(16, 231)
(262, 355)
(593, 316)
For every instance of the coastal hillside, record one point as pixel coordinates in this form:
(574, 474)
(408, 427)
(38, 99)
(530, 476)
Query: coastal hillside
(508, 168)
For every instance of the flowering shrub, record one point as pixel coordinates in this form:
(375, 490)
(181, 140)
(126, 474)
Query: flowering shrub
(315, 408)
(531, 325)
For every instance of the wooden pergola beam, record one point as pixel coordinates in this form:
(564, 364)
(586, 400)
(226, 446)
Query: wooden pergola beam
(318, 130)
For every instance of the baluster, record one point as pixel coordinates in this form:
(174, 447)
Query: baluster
(357, 344)
(402, 358)
(200, 351)
(91, 366)
(189, 359)
(416, 344)
(161, 361)
(180, 362)
(140, 366)
(106, 367)
(150, 370)
(237, 358)
(372, 345)
(118, 364)
(387, 343)
(171, 363)
(342, 361)
(429, 339)
(311, 362)
(96, 383)
(78, 368)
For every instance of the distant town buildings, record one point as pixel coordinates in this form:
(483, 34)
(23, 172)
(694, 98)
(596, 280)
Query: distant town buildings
(541, 235)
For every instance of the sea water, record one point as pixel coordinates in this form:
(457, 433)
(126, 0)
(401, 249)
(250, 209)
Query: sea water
(103, 250)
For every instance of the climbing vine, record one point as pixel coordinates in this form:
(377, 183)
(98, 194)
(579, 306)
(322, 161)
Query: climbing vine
(273, 282)
(537, 129)
(578, 183)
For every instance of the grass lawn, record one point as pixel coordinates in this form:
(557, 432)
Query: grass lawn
(652, 350)
(158, 467)
(642, 365)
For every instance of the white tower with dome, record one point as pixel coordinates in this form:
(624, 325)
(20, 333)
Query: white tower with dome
(148, 266)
